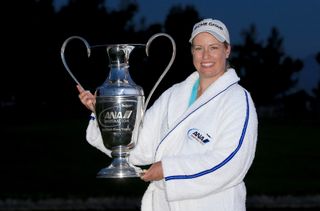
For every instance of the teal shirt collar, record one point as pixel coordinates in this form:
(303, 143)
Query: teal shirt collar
(194, 92)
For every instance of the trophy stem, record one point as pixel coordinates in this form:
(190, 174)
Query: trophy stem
(120, 166)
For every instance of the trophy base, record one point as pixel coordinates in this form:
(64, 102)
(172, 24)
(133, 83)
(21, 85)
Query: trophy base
(119, 169)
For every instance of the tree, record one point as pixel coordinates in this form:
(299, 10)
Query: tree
(178, 24)
(264, 68)
(28, 25)
(316, 92)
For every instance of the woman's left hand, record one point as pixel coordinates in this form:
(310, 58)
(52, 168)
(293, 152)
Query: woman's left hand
(154, 173)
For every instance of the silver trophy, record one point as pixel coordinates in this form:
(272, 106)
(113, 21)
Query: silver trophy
(120, 105)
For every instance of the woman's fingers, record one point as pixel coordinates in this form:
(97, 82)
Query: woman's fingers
(154, 173)
(80, 88)
(86, 98)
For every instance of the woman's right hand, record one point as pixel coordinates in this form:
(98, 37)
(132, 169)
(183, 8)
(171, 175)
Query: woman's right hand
(87, 98)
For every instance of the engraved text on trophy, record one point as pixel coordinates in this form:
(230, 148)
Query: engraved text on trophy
(116, 120)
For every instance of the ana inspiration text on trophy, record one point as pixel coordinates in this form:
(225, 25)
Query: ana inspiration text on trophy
(120, 105)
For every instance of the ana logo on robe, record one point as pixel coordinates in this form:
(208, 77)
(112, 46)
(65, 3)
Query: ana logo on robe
(201, 137)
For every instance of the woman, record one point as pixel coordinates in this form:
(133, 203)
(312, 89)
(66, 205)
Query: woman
(200, 135)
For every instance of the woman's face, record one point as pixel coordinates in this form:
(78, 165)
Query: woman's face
(209, 56)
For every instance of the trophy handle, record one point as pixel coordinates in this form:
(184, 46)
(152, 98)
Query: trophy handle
(64, 60)
(168, 66)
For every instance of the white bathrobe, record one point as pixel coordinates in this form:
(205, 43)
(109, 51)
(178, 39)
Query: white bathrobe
(206, 149)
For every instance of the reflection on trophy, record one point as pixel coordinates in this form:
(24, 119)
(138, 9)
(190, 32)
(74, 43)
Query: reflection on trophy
(120, 105)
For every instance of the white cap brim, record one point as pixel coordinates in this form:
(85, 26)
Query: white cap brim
(215, 34)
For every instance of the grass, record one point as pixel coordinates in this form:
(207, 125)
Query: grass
(51, 158)
(287, 159)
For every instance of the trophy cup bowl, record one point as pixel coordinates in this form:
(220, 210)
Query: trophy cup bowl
(120, 106)
(118, 109)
